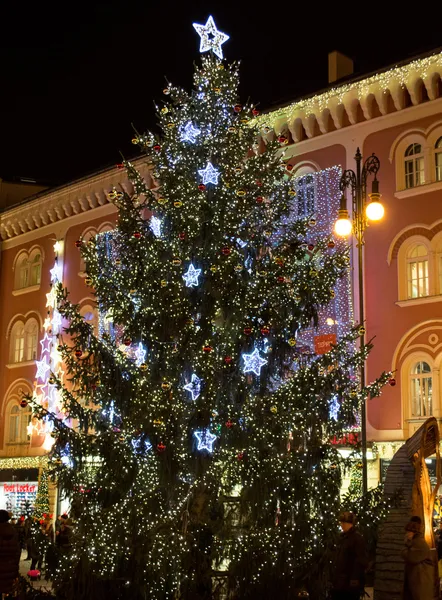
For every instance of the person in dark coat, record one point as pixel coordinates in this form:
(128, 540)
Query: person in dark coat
(350, 561)
(9, 554)
(420, 576)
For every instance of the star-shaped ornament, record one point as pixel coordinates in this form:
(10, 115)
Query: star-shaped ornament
(194, 387)
(253, 362)
(189, 133)
(211, 38)
(42, 368)
(209, 174)
(45, 344)
(155, 225)
(205, 439)
(56, 321)
(47, 324)
(56, 272)
(191, 277)
(51, 297)
(140, 355)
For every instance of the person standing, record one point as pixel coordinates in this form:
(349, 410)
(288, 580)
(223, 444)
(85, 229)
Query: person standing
(9, 554)
(420, 576)
(350, 561)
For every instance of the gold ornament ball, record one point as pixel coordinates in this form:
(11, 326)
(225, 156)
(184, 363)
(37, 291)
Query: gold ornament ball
(164, 110)
(361, 330)
(313, 273)
(163, 283)
(274, 409)
(214, 268)
(143, 367)
(292, 342)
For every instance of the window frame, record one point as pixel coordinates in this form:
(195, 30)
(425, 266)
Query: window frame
(425, 379)
(418, 260)
(416, 158)
(28, 270)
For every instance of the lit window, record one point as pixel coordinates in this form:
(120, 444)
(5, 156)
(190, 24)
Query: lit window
(18, 424)
(36, 270)
(18, 343)
(417, 272)
(421, 390)
(414, 166)
(305, 196)
(31, 334)
(23, 273)
(438, 158)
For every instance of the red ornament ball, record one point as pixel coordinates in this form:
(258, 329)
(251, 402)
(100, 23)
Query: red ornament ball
(226, 251)
(161, 447)
(78, 353)
(265, 330)
(392, 382)
(282, 139)
(23, 403)
(137, 235)
(182, 235)
(229, 424)
(120, 166)
(258, 182)
(78, 244)
(255, 112)
(289, 167)
(331, 244)
(240, 456)
(127, 342)
(247, 330)
(228, 360)
(260, 199)
(201, 187)
(157, 147)
(237, 108)
(310, 247)
(207, 349)
(281, 279)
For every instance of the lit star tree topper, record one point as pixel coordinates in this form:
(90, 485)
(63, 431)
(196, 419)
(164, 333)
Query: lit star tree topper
(253, 362)
(211, 38)
(191, 277)
(189, 133)
(205, 439)
(194, 387)
(209, 174)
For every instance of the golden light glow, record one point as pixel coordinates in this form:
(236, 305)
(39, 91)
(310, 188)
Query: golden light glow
(374, 210)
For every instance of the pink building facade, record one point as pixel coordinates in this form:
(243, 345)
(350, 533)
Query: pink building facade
(397, 115)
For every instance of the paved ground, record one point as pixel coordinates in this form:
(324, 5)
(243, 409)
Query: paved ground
(25, 565)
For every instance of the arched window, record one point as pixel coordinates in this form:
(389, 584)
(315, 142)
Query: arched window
(421, 390)
(31, 338)
(22, 280)
(19, 419)
(417, 271)
(414, 166)
(35, 267)
(305, 196)
(438, 158)
(17, 348)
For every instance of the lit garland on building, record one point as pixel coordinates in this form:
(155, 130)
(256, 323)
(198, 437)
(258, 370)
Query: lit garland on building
(172, 422)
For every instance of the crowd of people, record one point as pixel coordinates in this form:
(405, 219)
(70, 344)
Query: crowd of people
(42, 543)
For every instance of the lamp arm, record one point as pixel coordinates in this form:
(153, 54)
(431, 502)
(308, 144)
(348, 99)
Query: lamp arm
(371, 166)
(347, 181)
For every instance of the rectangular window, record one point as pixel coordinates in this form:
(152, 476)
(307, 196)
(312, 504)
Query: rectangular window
(418, 279)
(414, 172)
(13, 428)
(19, 349)
(421, 397)
(31, 350)
(36, 274)
(439, 166)
(24, 277)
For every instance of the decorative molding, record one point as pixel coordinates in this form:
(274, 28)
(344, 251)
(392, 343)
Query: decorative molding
(26, 290)
(419, 189)
(50, 208)
(24, 363)
(417, 301)
(388, 89)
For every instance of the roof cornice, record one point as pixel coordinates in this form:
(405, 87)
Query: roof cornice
(356, 101)
(66, 201)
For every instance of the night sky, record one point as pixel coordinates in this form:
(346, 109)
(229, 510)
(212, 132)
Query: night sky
(75, 76)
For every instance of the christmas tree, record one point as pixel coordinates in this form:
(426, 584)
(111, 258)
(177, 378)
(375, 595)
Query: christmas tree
(193, 436)
(41, 506)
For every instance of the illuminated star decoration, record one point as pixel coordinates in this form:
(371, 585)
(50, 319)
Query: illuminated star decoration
(51, 297)
(189, 133)
(334, 408)
(56, 321)
(42, 368)
(211, 38)
(253, 362)
(205, 439)
(191, 277)
(140, 354)
(47, 324)
(155, 225)
(45, 344)
(141, 445)
(194, 387)
(209, 174)
(56, 272)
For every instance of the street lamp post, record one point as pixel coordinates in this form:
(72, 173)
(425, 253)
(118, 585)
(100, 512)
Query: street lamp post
(362, 212)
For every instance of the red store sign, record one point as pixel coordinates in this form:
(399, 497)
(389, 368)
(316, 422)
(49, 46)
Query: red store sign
(16, 488)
